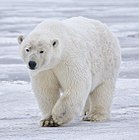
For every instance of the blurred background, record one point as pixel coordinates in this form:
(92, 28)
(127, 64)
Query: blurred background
(20, 17)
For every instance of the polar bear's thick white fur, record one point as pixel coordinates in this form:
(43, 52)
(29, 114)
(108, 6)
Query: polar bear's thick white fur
(78, 56)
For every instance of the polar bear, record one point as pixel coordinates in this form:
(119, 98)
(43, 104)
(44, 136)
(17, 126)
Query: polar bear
(79, 57)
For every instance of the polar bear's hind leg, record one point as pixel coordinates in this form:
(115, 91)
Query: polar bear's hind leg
(100, 102)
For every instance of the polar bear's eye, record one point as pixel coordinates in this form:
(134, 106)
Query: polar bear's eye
(55, 43)
(27, 50)
(41, 51)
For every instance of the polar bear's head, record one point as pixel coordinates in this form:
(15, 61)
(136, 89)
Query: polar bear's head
(38, 52)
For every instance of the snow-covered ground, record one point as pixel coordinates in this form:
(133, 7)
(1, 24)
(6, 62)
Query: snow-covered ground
(19, 113)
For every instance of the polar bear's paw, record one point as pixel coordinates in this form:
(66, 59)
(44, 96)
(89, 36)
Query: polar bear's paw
(49, 122)
(96, 117)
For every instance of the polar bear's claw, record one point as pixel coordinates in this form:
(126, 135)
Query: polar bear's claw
(49, 122)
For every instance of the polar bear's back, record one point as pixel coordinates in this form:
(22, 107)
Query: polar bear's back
(101, 43)
(93, 31)
(84, 25)
(77, 22)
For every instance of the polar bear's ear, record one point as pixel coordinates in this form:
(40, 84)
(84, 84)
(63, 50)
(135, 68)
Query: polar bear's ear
(20, 39)
(55, 43)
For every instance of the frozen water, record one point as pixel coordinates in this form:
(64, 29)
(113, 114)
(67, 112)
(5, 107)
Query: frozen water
(19, 112)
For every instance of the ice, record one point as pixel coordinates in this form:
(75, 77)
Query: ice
(19, 113)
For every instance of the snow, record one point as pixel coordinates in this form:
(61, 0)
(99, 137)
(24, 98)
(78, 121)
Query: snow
(19, 113)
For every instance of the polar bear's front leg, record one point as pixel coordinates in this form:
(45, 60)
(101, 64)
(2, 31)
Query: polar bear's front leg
(72, 102)
(46, 89)
(65, 109)
(76, 88)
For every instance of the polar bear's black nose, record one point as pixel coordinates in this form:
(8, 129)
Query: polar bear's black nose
(32, 65)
